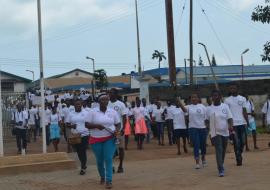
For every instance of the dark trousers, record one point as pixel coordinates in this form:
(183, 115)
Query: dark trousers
(160, 131)
(48, 140)
(239, 141)
(21, 139)
(81, 151)
(220, 143)
(169, 124)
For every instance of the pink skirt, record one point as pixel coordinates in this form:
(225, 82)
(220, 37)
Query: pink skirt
(127, 130)
(140, 127)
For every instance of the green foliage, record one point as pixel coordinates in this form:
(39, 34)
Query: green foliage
(158, 55)
(262, 14)
(101, 79)
(214, 63)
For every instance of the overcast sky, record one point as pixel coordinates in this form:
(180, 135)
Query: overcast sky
(106, 31)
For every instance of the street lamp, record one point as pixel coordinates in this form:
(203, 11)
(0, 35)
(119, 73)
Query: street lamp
(242, 62)
(211, 67)
(33, 73)
(93, 80)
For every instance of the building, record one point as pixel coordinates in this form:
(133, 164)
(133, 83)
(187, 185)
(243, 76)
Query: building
(11, 83)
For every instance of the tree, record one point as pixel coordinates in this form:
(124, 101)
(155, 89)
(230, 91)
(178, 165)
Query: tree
(201, 62)
(214, 63)
(100, 76)
(262, 14)
(158, 55)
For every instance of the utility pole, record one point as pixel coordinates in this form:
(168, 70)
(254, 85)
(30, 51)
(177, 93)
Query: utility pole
(191, 42)
(138, 40)
(170, 42)
(44, 146)
(1, 124)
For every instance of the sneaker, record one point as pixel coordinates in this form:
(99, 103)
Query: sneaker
(120, 170)
(197, 166)
(23, 152)
(108, 185)
(102, 181)
(204, 163)
(221, 173)
(82, 172)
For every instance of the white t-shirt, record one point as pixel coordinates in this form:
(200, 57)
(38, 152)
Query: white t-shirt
(197, 116)
(32, 116)
(267, 111)
(20, 117)
(139, 113)
(54, 119)
(169, 114)
(48, 113)
(120, 108)
(79, 119)
(218, 117)
(108, 120)
(236, 105)
(157, 114)
(250, 109)
(179, 121)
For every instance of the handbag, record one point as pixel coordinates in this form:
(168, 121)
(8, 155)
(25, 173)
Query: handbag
(74, 139)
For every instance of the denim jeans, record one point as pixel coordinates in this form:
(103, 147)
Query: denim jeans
(104, 157)
(239, 141)
(198, 138)
(160, 131)
(220, 143)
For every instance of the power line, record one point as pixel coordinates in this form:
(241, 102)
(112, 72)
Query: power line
(180, 20)
(214, 31)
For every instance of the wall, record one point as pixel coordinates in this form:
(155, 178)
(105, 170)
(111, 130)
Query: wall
(19, 87)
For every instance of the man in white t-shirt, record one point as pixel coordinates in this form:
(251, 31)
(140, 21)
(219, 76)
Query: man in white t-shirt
(169, 121)
(266, 114)
(158, 117)
(121, 110)
(237, 105)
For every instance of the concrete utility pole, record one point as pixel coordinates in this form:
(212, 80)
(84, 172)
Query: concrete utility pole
(138, 40)
(170, 42)
(191, 42)
(41, 78)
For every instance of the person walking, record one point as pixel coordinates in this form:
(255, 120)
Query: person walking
(252, 124)
(237, 105)
(179, 125)
(54, 124)
(219, 120)
(266, 115)
(104, 123)
(197, 129)
(169, 121)
(76, 122)
(158, 117)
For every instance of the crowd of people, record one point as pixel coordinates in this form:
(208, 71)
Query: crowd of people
(108, 122)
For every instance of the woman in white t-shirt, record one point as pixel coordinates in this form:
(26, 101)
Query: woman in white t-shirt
(104, 124)
(139, 113)
(76, 121)
(219, 118)
(179, 125)
(197, 129)
(54, 123)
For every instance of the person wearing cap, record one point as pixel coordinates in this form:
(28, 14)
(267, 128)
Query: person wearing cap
(104, 123)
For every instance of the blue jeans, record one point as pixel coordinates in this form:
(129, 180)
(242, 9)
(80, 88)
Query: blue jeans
(198, 138)
(160, 131)
(220, 143)
(104, 157)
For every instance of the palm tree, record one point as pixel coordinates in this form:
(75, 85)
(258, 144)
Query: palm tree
(158, 55)
(101, 78)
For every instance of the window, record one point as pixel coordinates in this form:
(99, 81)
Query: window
(7, 86)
